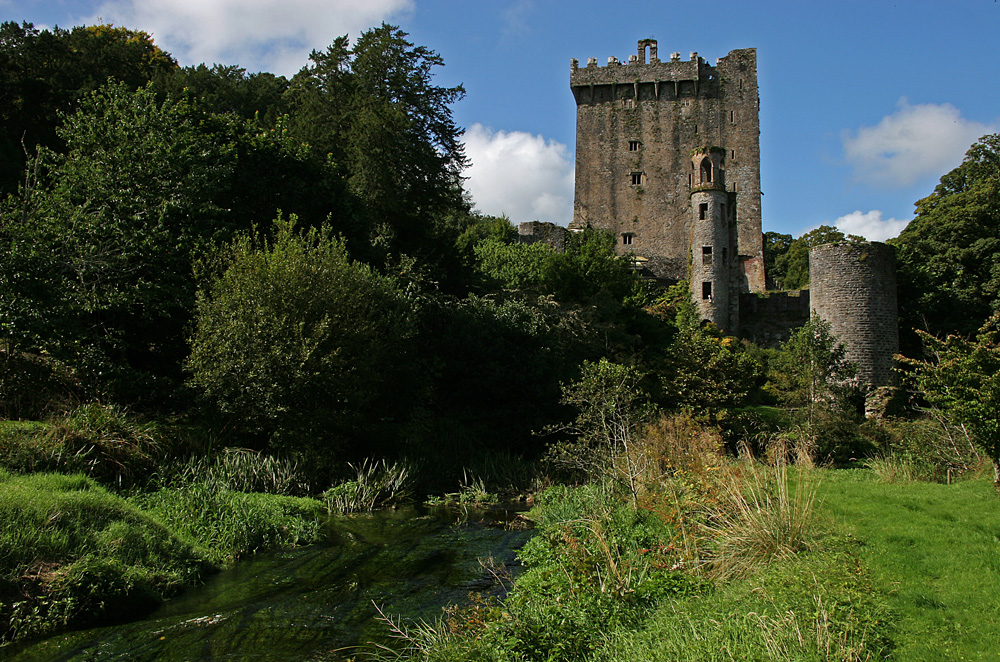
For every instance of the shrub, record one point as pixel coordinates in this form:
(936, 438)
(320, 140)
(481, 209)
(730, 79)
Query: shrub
(297, 343)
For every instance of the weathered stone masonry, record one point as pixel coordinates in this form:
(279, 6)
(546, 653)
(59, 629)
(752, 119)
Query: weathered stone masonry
(853, 287)
(640, 126)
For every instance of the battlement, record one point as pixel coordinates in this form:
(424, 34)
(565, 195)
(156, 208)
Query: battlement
(655, 73)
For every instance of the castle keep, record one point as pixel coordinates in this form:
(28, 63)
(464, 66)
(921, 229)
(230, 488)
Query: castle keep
(668, 159)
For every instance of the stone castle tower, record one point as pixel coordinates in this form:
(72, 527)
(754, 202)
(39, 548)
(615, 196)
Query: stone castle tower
(853, 287)
(668, 159)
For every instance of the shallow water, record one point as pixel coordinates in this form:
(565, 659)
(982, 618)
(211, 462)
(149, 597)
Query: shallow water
(311, 604)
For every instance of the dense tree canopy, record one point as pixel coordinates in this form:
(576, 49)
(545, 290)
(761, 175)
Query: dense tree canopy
(45, 73)
(298, 343)
(949, 272)
(376, 112)
(100, 243)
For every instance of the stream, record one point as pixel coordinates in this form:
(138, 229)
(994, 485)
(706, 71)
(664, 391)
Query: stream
(314, 603)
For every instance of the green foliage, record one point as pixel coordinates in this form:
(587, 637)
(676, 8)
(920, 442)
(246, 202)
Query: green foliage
(375, 485)
(513, 265)
(823, 605)
(704, 371)
(776, 245)
(964, 382)
(586, 267)
(810, 367)
(106, 442)
(927, 448)
(45, 73)
(296, 342)
(505, 352)
(948, 278)
(604, 561)
(792, 265)
(236, 470)
(810, 374)
(230, 524)
(611, 408)
(374, 110)
(73, 554)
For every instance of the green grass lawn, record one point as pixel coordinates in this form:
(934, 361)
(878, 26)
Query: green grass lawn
(937, 550)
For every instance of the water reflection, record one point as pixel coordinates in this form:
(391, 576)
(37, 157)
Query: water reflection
(315, 603)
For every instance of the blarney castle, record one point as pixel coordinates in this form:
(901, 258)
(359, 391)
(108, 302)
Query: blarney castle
(668, 160)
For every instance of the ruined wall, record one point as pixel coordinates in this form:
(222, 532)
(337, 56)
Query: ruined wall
(534, 231)
(769, 320)
(637, 125)
(853, 287)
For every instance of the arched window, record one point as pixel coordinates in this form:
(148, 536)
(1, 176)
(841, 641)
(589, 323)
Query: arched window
(706, 171)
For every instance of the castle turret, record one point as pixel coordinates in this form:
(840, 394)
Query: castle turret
(853, 287)
(711, 239)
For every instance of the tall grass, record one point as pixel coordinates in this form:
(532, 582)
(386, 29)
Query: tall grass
(231, 524)
(375, 485)
(238, 470)
(73, 553)
(765, 514)
(106, 442)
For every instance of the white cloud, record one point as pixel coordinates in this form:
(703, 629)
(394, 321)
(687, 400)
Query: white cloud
(870, 225)
(916, 141)
(260, 35)
(515, 173)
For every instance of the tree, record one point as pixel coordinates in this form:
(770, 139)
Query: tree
(100, 243)
(963, 379)
(298, 345)
(389, 129)
(612, 409)
(811, 374)
(792, 267)
(702, 370)
(776, 245)
(44, 74)
(949, 277)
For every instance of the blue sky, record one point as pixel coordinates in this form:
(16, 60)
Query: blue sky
(864, 105)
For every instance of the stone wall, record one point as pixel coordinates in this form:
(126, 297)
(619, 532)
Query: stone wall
(853, 287)
(769, 320)
(637, 125)
(549, 233)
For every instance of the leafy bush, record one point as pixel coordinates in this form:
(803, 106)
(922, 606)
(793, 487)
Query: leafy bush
(595, 562)
(299, 344)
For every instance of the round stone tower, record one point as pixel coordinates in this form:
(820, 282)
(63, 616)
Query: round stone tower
(710, 237)
(853, 287)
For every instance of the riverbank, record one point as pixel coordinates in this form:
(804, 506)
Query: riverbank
(882, 571)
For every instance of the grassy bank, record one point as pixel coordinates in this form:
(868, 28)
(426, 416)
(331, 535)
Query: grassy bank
(72, 553)
(935, 550)
(904, 571)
